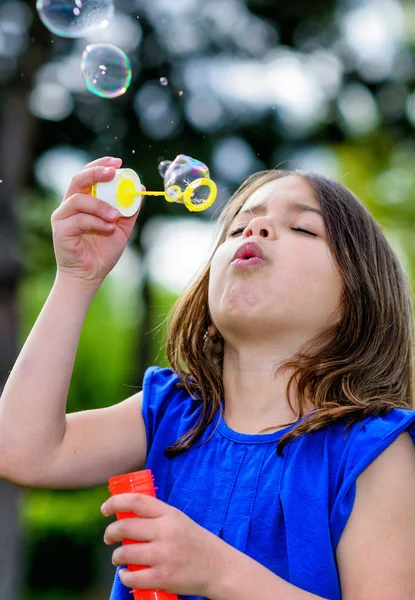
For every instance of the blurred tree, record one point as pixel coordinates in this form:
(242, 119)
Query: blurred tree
(17, 131)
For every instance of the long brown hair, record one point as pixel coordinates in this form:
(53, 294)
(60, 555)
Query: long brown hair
(361, 366)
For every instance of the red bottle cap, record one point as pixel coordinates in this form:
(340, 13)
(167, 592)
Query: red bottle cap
(138, 481)
(153, 595)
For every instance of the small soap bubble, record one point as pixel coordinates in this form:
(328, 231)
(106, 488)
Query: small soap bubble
(106, 70)
(180, 173)
(133, 151)
(164, 81)
(163, 166)
(75, 18)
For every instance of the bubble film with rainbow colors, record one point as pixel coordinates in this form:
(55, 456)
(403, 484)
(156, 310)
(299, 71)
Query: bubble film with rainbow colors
(106, 70)
(74, 18)
(182, 171)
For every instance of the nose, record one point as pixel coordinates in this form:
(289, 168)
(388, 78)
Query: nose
(258, 226)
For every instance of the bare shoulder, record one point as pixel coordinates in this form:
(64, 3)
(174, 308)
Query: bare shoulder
(376, 553)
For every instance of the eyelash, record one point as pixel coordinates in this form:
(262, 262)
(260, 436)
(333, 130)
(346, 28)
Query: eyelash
(240, 229)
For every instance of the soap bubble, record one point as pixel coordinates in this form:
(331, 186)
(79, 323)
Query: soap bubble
(180, 173)
(74, 18)
(106, 70)
(164, 81)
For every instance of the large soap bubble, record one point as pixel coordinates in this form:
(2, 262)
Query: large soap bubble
(186, 175)
(106, 70)
(74, 18)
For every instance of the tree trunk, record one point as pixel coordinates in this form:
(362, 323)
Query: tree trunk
(16, 150)
(10, 542)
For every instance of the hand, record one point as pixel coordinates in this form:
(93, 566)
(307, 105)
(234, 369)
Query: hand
(182, 557)
(88, 241)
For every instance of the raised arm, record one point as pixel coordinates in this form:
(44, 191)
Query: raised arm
(40, 445)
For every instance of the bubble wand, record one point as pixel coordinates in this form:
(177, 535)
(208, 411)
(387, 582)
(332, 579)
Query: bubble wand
(186, 181)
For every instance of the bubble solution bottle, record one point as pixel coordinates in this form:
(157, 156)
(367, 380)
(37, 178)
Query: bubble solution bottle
(142, 482)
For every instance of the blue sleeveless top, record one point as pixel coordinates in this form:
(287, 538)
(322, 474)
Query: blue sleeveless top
(287, 513)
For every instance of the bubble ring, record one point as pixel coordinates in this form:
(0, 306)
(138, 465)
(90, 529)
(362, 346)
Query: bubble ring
(174, 189)
(192, 187)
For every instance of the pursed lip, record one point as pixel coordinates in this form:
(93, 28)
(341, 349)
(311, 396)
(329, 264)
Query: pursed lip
(248, 250)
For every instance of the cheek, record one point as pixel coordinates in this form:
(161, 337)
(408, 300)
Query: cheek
(215, 275)
(219, 263)
(313, 275)
(323, 281)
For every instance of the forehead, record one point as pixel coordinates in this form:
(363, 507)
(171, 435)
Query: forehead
(282, 191)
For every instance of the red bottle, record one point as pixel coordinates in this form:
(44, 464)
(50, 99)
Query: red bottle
(142, 482)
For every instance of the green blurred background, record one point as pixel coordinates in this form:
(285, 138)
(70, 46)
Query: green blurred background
(323, 85)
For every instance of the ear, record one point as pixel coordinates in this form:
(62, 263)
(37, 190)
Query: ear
(213, 331)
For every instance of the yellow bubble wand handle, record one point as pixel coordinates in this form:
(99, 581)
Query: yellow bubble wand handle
(149, 193)
(124, 193)
(175, 194)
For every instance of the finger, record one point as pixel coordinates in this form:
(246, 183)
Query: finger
(145, 579)
(141, 505)
(81, 222)
(84, 203)
(85, 179)
(106, 161)
(139, 529)
(144, 554)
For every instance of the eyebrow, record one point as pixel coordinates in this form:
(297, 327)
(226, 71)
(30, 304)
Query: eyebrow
(298, 207)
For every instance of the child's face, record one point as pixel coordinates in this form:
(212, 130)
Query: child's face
(291, 293)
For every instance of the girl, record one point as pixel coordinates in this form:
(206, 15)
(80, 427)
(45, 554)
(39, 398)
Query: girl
(282, 437)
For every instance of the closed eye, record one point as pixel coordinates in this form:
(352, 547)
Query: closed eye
(240, 230)
(304, 231)
(235, 231)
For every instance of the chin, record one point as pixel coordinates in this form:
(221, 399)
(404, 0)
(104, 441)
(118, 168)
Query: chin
(244, 296)
(242, 316)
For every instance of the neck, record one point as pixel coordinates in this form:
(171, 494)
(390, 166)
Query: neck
(254, 397)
